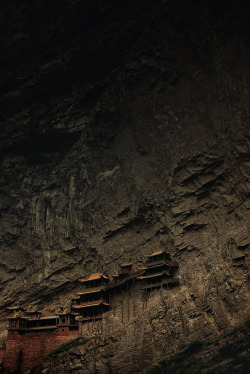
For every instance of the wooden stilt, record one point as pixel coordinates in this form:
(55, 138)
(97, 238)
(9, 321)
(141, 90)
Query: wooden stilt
(122, 311)
(128, 309)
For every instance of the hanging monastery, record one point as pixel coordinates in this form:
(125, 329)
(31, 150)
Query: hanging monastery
(31, 337)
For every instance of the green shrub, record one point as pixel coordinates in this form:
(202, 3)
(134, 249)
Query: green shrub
(71, 344)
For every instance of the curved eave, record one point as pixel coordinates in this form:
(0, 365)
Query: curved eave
(89, 305)
(155, 253)
(90, 292)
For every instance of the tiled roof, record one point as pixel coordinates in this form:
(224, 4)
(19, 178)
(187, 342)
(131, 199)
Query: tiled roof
(94, 277)
(125, 265)
(17, 315)
(90, 291)
(14, 307)
(63, 312)
(88, 305)
(155, 253)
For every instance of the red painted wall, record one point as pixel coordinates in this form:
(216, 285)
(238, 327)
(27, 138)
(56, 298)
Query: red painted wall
(12, 355)
(2, 354)
(65, 331)
(13, 335)
(35, 348)
(28, 351)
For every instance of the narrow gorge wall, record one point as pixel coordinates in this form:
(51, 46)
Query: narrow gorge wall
(123, 132)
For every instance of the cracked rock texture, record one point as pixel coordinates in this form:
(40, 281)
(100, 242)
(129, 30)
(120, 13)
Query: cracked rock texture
(124, 129)
(226, 354)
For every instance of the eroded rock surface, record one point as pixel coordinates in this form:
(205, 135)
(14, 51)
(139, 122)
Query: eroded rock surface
(225, 354)
(139, 142)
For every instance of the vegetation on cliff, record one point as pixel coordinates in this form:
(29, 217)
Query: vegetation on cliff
(71, 344)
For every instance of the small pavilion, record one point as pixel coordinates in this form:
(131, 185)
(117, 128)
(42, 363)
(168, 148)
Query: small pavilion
(124, 276)
(67, 321)
(158, 271)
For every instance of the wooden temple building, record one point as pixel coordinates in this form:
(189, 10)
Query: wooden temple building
(158, 271)
(96, 296)
(99, 293)
(93, 300)
(124, 276)
(124, 272)
(22, 322)
(67, 323)
(31, 337)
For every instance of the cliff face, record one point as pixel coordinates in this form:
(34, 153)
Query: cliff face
(125, 129)
(226, 354)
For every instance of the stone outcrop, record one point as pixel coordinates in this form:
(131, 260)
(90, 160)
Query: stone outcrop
(123, 132)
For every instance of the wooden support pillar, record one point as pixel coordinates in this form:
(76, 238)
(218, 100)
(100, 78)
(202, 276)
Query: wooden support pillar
(122, 311)
(128, 309)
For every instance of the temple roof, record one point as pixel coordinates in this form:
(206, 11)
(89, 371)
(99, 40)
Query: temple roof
(90, 291)
(15, 307)
(32, 311)
(94, 276)
(88, 305)
(64, 311)
(126, 265)
(17, 315)
(155, 253)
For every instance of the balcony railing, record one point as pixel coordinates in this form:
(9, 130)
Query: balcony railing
(160, 284)
(91, 303)
(126, 279)
(90, 318)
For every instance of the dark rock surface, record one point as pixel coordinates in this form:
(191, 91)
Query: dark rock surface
(125, 128)
(228, 353)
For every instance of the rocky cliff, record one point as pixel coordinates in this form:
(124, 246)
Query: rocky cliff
(228, 353)
(124, 128)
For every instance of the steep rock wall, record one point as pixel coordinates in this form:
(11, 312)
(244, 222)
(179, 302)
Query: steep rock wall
(148, 150)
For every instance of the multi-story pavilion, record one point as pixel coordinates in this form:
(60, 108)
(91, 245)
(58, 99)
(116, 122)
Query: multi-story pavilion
(93, 300)
(158, 271)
